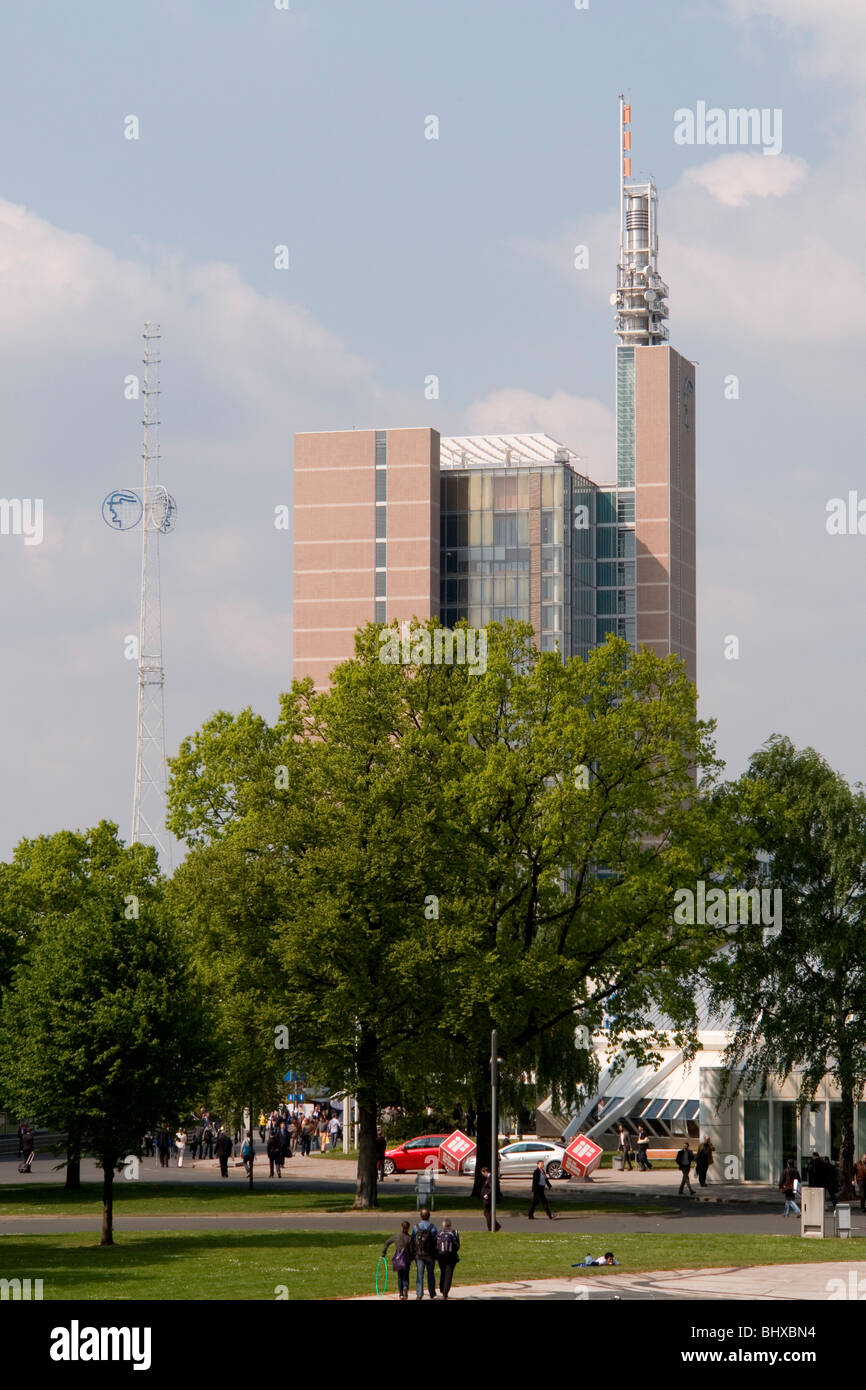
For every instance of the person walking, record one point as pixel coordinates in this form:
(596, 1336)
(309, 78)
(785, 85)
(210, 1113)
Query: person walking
(540, 1183)
(275, 1155)
(447, 1246)
(28, 1151)
(401, 1259)
(163, 1147)
(263, 1122)
(323, 1132)
(180, 1144)
(306, 1137)
(789, 1183)
(334, 1128)
(642, 1145)
(224, 1149)
(208, 1136)
(381, 1146)
(684, 1163)
(487, 1196)
(285, 1144)
(704, 1161)
(860, 1180)
(424, 1253)
(831, 1181)
(624, 1146)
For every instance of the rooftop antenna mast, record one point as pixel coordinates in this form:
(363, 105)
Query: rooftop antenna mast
(640, 290)
(158, 512)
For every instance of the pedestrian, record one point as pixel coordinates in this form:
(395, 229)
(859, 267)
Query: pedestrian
(22, 1129)
(704, 1161)
(487, 1196)
(163, 1147)
(208, 1138)
(624, 1146)
(860, 1180)
(815, 1170)
(28, 1151)
(274, 1151)
(180, 1143)
(334, 1129)
(381, 1146)
(642, 1142)
(285, 1144)
(401, 1259)
(248, 1153)
(424, 1253)
(306, 1137)
(684, 1163)
(540, 1182)
(224, 1149)
(831, 1181)
(323, 1133)
(447, 1246)
(263, 1120)
(789, 1184)
(149, 1150)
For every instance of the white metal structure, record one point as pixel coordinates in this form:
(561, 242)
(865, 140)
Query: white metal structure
(502, 451)
(640, 291)
(148, 809)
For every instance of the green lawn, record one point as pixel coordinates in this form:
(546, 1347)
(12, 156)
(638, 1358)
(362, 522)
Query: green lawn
(329, 1264)
(154, 1199)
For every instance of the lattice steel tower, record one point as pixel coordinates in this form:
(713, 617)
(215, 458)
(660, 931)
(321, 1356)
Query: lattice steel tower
(158, 511)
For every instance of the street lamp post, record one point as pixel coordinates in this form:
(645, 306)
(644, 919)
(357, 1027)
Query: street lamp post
(494, 1127)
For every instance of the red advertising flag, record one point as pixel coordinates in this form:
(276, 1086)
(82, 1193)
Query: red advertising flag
(581, 1157)
(454, 1151)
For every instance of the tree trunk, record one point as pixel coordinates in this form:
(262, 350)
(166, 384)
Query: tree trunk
(73, 1161)
(846, 1150)
(367, 1182)
(108, 1162)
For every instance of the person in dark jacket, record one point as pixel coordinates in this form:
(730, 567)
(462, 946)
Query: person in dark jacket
(487, 1196)
(623, 1144)
(402, 1258)
(223, 1148)
(788, 1187)
(860, 1179)
(684, 1163)
(447, 1246)
(704, 1162)
(381, 1146)
(424, 1253)
(163, 1147)
(540, 1183)
(274, 1151)
(831, 1180)
(642, 1143)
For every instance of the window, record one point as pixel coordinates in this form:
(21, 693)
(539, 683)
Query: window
(625, 416)
(381, 551)
(381, 448)
(625, 507)
(379, 613)
(381, 485)
(381, 578)
(380, 523)
(625, 545)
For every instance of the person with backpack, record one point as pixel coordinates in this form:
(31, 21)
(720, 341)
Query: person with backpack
(401, 1259)
(684, 1163)
(789, 1184)
(540, 1182)
(248, 1153)
(424, 1253)
(447, 1246)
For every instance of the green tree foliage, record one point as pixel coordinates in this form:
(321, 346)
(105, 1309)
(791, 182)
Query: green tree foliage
(452, 851)
(798, 998)
(109, 1031)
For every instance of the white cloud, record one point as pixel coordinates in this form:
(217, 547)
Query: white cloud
(583, 424)
(735, 179)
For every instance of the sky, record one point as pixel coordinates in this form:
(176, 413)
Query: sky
(304, 127)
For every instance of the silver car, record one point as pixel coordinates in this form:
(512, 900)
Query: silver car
(518, 1160)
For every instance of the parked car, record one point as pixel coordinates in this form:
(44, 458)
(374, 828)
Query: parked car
(414, 1154)
(518, 1160)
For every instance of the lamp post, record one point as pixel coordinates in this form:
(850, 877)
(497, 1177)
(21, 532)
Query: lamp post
(494, 1128)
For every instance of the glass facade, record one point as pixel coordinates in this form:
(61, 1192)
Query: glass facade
(520, 543)
(381, 557)
(625, 435)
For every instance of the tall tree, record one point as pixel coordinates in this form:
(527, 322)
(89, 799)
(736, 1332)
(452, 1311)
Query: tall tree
(109, 1028)
(798, 996)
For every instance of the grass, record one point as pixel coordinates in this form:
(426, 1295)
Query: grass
(333, 1264)
(164, 1199)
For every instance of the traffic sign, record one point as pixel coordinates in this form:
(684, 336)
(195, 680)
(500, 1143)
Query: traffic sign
(454, 1151)
(581, 1157)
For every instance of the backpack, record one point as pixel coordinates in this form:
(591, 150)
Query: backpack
(425, 1241)
(446, 1242)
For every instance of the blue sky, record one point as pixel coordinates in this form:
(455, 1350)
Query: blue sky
(408, 257)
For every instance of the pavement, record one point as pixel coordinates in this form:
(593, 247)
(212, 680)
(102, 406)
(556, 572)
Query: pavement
(814, 1283)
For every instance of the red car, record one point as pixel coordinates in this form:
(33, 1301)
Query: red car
(415, 1153)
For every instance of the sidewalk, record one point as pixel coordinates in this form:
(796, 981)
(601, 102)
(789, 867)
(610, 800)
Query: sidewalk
(815, 1283)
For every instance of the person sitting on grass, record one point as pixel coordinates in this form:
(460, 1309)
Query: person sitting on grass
(605, 1259)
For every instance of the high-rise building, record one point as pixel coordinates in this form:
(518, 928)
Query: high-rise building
(395, 524)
